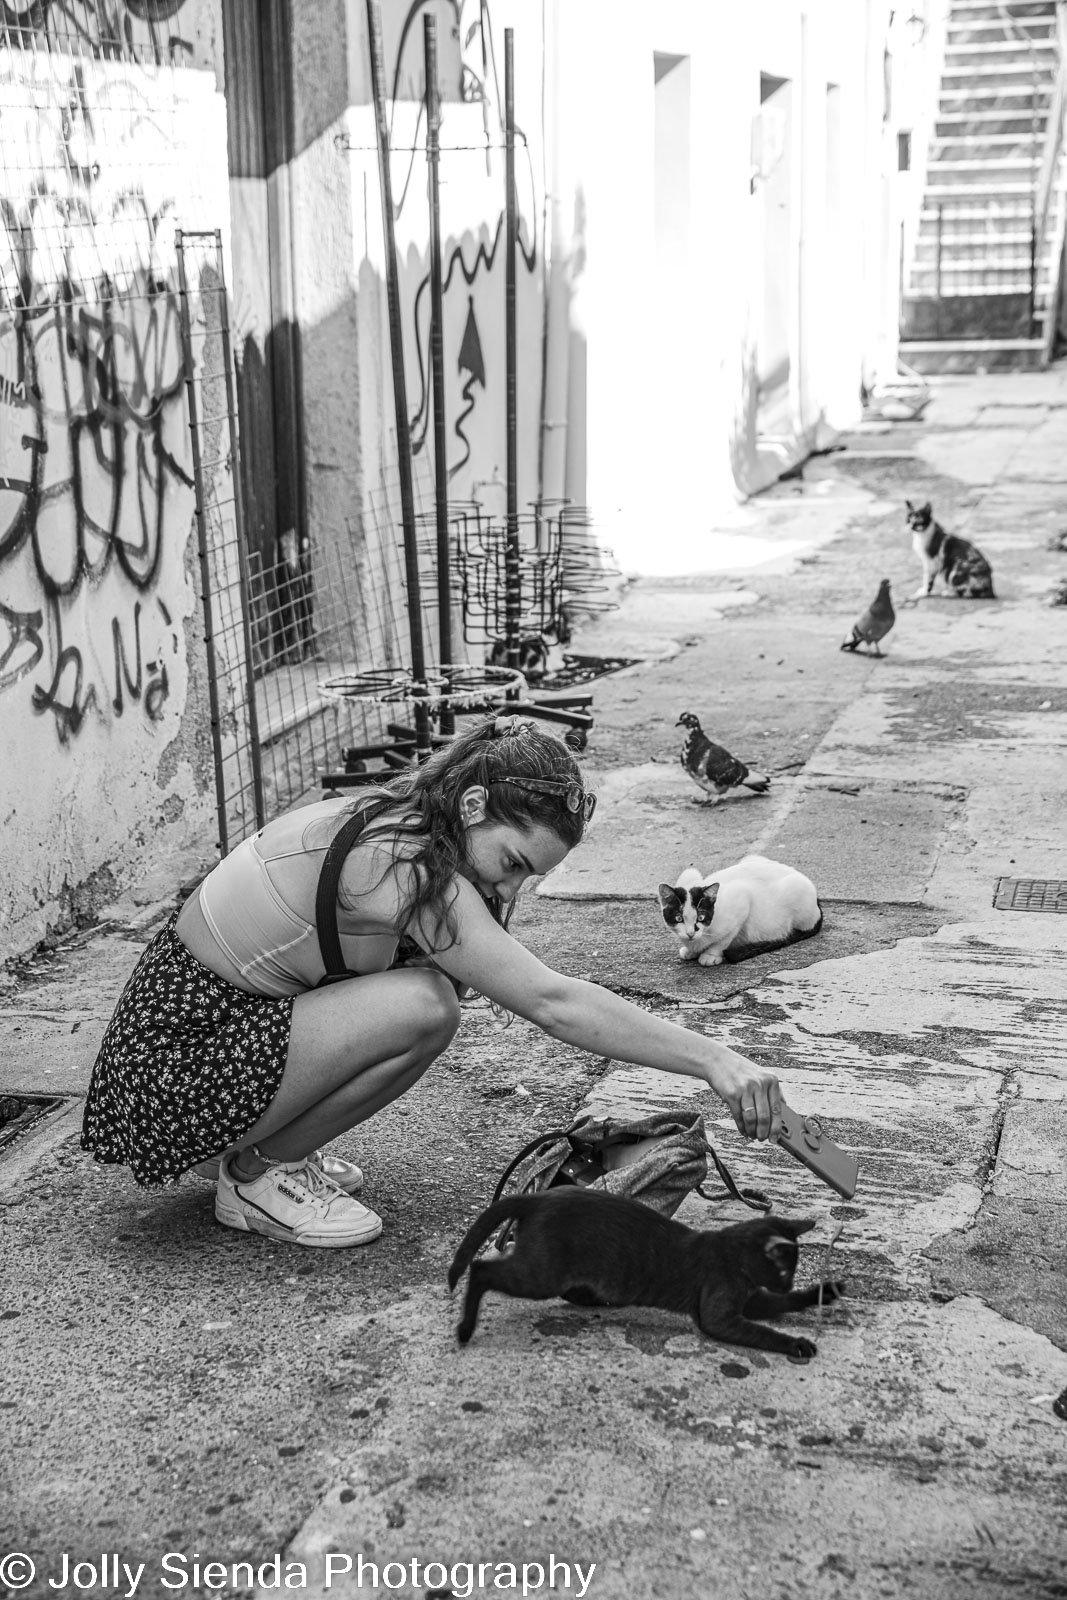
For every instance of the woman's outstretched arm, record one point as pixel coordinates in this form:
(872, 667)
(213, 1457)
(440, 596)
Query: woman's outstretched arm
(592, 1018)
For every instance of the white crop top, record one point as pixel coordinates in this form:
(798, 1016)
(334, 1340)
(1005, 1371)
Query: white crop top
(259, 904)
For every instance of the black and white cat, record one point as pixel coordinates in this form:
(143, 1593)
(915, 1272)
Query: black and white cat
(962, 567)
(740, 911)
(597, 1249)
(533, 656)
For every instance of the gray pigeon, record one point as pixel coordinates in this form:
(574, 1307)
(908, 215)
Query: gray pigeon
(712, 767)
(875, 622)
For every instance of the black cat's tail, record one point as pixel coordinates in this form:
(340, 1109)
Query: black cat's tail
(512, 1206)
(745, 952)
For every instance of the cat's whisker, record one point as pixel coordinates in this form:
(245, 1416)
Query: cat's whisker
(828, 1248)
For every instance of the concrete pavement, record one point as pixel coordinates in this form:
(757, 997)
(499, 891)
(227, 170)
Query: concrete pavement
(182, 1394)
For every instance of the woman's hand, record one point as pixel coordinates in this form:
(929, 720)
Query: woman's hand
(752, 1093)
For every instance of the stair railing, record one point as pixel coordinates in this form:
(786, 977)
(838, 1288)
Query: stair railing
(1042, 178)
(1050, 173)
(1047, 183)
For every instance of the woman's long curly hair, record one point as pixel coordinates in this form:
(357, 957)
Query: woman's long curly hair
(425, 805)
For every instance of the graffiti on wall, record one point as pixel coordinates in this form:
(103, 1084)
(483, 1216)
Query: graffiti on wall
(109, 29)
(94, 448)
(473, 270)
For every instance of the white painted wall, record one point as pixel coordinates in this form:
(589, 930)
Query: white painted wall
(641, 403)
(670, 439)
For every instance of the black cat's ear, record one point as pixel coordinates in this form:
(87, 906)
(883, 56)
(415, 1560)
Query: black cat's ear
(928, 509)
(668, 895)
(795, 1226)
(709, 893)
(782, 1253)
(909, 505)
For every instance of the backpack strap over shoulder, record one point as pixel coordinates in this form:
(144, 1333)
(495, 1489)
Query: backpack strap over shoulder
(326, 898)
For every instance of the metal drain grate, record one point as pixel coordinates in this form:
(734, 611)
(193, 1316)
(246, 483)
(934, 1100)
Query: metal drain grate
(18, 1112)
(1030, 894)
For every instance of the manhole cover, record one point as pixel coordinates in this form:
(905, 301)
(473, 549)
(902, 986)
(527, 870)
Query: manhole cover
(1030, 894)
(20, 1111)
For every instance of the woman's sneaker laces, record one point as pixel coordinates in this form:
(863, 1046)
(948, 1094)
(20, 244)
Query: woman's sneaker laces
(345, 1174)
(294, 1201)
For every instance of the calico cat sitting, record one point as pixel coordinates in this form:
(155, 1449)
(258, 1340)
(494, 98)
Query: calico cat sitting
(533, 656)
(597, 1249)
(740, 911)
(962, 567)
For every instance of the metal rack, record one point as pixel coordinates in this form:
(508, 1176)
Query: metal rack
(510, 578)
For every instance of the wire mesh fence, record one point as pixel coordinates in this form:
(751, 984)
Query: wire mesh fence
(272, 631)
(139, 31)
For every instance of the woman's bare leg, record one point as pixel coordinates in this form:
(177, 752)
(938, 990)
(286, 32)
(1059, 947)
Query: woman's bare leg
(353, 1048)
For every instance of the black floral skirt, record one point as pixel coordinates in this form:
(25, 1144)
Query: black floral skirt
(188, 1064)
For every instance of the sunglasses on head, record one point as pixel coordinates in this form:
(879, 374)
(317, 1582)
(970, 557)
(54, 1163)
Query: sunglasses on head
(574, 797)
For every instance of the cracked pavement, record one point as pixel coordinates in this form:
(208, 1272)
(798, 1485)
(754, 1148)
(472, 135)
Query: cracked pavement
(181, 1388)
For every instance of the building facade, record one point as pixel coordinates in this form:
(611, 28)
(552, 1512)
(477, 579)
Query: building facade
(705, 277)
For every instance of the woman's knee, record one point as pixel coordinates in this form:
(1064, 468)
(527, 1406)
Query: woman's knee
(435, 1007)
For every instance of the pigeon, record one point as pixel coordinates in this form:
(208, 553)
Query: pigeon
(875, 622)
(712, 767)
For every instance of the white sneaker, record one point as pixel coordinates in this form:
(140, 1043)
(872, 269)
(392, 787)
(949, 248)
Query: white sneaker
(294, 1201)
(345, 1174)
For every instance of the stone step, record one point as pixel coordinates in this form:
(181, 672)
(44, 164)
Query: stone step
(1015, 244)
(997, 268)
(967, 223)
(994, 164)
(1014, 177)
(1008, 50)
(1015, 262)
(1000, 190)
(1003, 278)
(1011, 102)
(973, 355)
(961, 33)
(925, 284)
(1014, 74)
(952, 286)
(989, 11)
(966, 205)
(989, 147)
(991, 124)
(1016, 9)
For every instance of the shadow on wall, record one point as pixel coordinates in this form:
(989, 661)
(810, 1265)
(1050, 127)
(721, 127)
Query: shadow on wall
(276, 528)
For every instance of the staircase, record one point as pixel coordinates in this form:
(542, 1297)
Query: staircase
(982, 287)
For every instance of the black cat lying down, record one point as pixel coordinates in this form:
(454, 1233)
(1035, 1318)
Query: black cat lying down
(598, 1249)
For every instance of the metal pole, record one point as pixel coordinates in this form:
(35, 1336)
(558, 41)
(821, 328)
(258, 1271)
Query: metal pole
(400, 397)
(512, 574)
(937, 281)
(201, 529)
(902, 305)
(242, 555)
(437, 360)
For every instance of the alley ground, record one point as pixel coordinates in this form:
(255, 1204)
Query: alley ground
(173, 1387)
